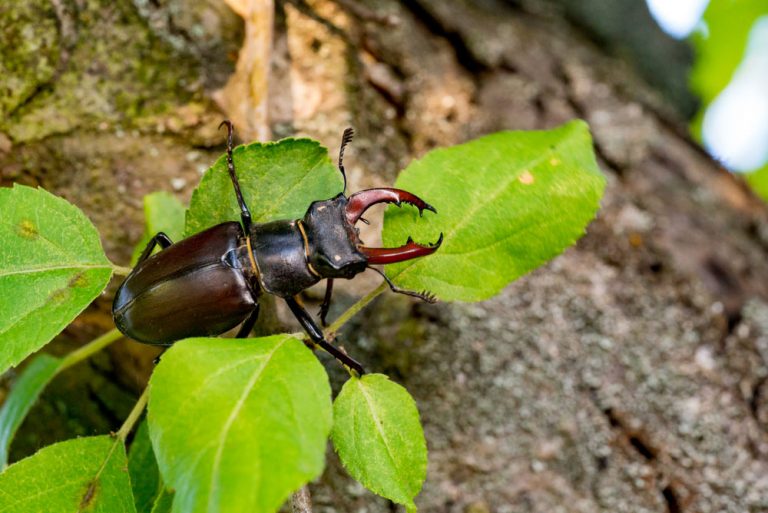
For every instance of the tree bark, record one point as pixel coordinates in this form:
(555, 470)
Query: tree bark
(627, 375)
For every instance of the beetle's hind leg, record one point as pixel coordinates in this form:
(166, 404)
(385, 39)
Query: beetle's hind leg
(424, 296)
(161, 238)
(316, 335)
(325, 306)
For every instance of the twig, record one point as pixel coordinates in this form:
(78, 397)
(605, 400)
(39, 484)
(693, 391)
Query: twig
(89, 349)
(133, 417)
(352, 310)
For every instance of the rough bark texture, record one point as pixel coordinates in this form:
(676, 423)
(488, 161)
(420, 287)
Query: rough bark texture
(630, 374)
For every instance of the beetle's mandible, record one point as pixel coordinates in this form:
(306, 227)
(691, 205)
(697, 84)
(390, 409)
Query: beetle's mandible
(210, 282)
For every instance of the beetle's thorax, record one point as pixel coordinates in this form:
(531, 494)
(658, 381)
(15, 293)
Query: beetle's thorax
(279, 255)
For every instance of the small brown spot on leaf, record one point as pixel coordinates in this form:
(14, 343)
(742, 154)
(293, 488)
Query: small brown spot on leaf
(60, 295)
(27, 229)
(80, 280)
(89, 495)
(526, 178)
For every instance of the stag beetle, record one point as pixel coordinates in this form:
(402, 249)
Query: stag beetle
(210, 282)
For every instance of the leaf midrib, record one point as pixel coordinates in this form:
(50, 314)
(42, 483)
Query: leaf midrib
(45, 268)
(231, 419)
(379, 430)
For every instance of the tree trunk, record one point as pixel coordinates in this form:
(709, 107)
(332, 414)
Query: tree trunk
(627, 375)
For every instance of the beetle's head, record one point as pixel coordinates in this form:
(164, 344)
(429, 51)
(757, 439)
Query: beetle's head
(334, 246)
(333, 243)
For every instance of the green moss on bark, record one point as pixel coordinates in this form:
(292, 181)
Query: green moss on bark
(100, 64)
(31, 51)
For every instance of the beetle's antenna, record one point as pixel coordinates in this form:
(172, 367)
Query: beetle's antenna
(346, 138)
(245, 214)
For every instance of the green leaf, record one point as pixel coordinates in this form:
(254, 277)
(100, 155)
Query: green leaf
(378, 436)
(721, 42)
(163, 503)
(51, 264)
(238, 424)
(279, 180)
(507, 203)
(759, 182)
(22, 397)
(142, 467)
(79, 475)
(163, 212)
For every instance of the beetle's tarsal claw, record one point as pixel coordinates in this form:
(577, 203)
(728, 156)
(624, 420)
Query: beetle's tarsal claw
(428, 296)
(363, 200)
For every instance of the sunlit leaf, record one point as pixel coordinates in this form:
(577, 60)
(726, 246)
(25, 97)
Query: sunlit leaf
(279, 180)
(378, 436)
(78, 475)
(51, 265)
(506, 203)
(238, 424)
(163, 212)
(720, 43)
(23, 395)
(759, 182)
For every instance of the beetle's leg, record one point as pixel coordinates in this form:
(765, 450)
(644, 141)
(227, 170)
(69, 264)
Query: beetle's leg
(326, 304)
(245, 214)
(161, 239)
(424, 295)
(248, 323)
(316, 334)
(157, 358)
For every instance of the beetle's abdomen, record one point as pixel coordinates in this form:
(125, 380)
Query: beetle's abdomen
(186, 290)
(281, 256)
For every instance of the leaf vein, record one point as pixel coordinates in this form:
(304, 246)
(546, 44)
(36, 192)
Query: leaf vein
(231, 419)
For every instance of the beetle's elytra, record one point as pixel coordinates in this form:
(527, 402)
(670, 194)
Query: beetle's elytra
(210, 282)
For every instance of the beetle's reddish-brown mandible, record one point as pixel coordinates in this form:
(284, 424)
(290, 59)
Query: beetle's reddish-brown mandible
(363, 200)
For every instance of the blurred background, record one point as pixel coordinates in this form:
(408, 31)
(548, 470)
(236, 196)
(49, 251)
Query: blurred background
(628, 375)
(729, 76)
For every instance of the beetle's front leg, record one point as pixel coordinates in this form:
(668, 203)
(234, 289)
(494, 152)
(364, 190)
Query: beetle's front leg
(326, 304)
(316, 334)
(248, 323)
(161, 238)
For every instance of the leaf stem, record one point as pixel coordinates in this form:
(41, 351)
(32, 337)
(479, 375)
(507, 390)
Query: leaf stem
(354, 309)
(120, 270)
(89, 349)
(133, 417)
